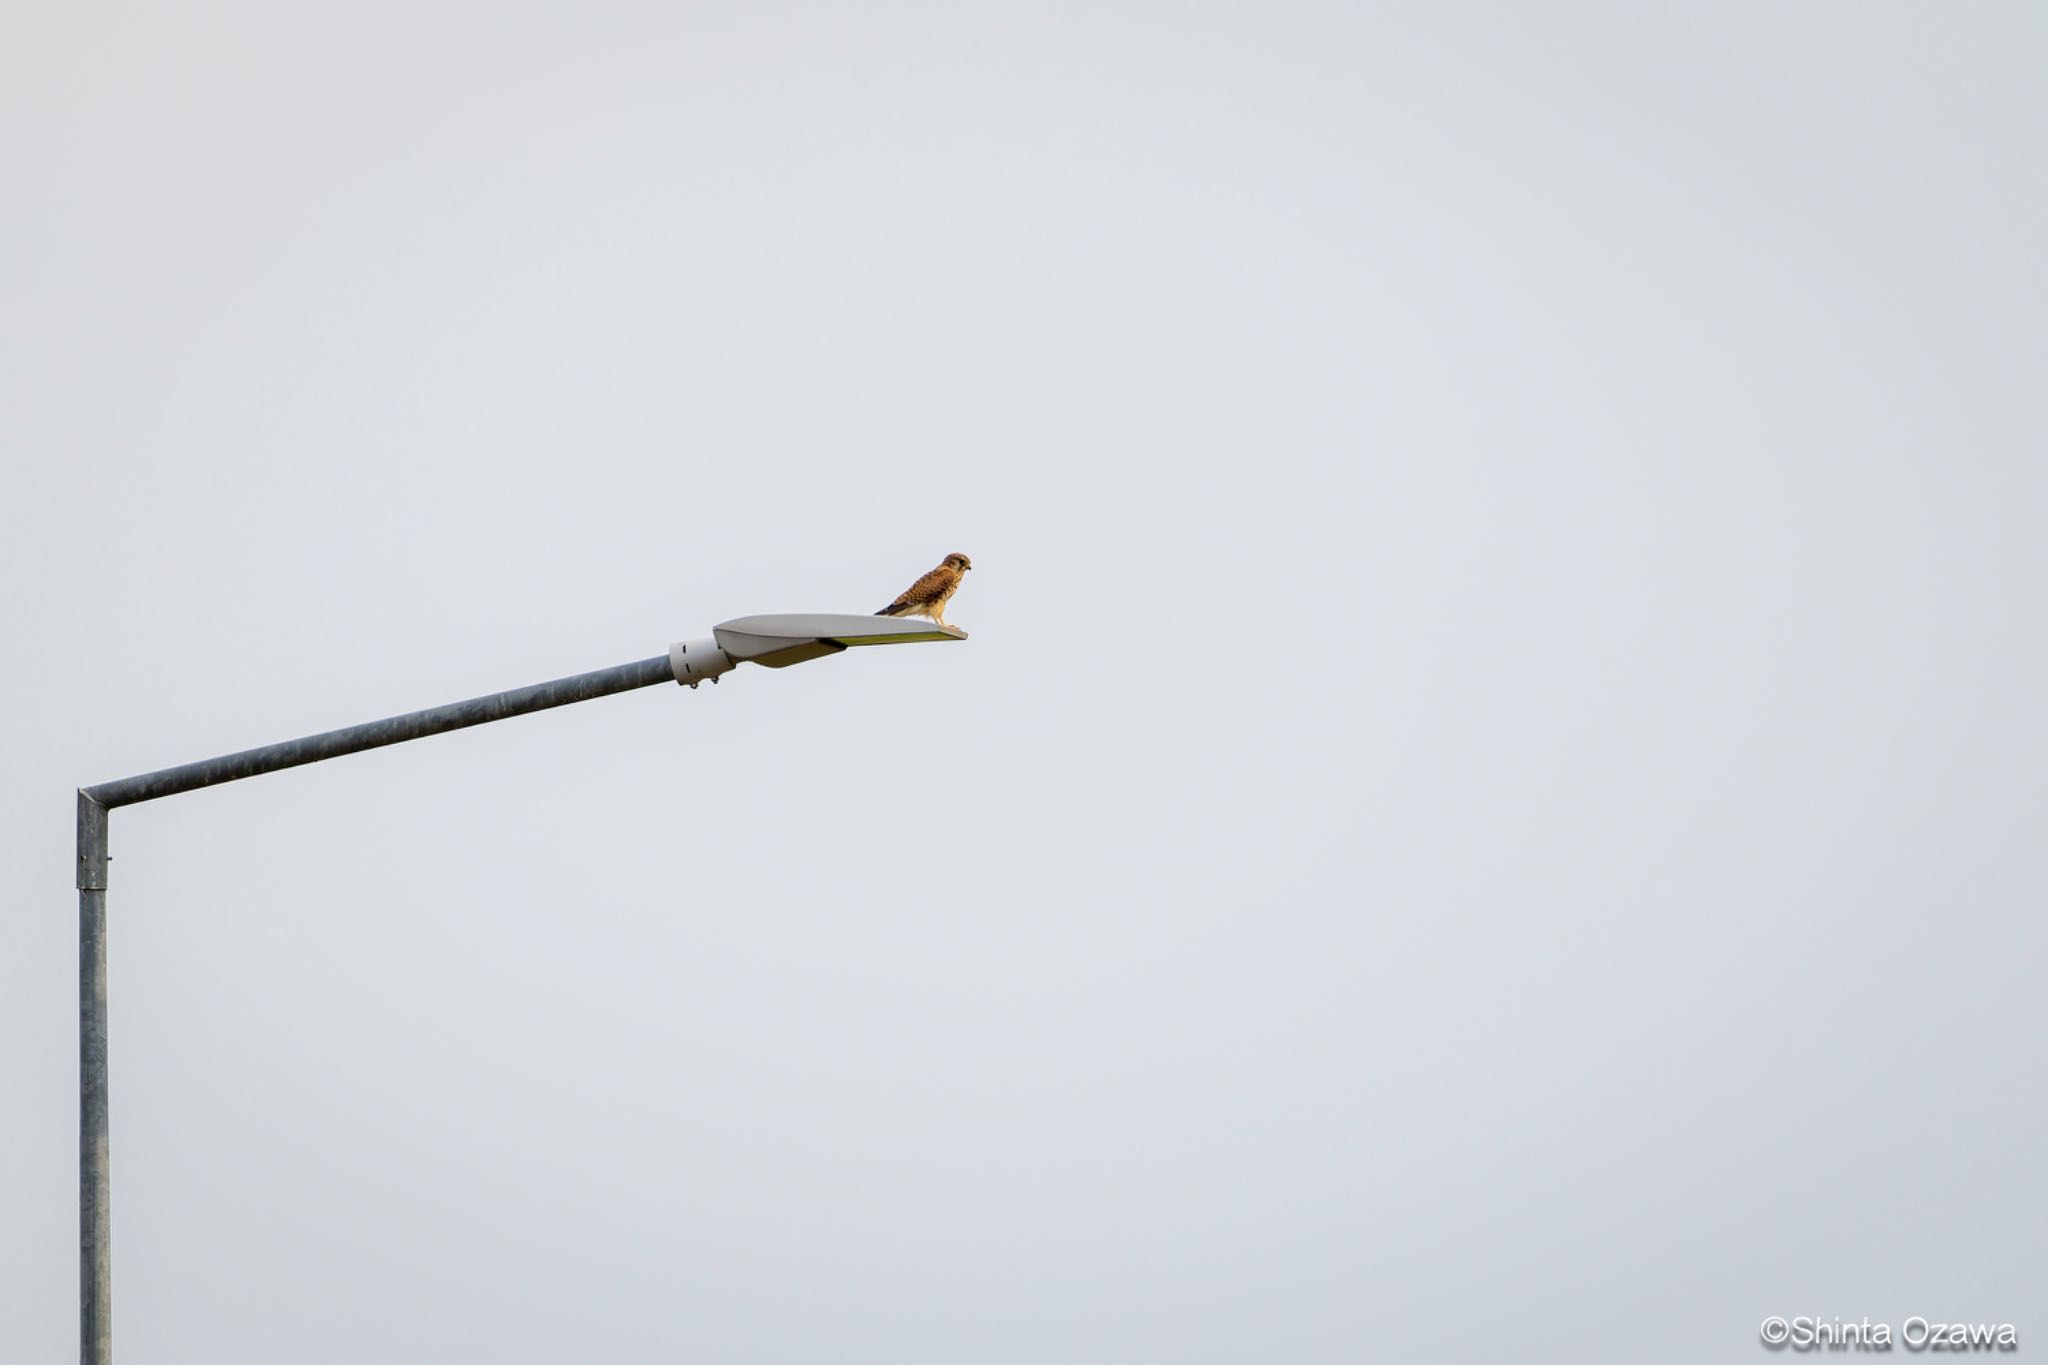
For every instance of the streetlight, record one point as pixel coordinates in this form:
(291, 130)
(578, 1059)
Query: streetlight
(771, 641)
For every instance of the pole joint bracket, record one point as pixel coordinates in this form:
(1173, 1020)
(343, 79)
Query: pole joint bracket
(92, 844)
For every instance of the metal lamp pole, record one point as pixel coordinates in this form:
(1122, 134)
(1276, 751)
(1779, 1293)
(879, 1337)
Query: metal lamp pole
(772, 641)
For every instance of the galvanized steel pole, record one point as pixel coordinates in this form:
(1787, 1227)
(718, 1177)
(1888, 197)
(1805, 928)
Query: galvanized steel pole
(95, 1283)
(377, 733)
(771, 641)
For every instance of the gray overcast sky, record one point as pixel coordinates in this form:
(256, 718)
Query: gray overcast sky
(1493, 807)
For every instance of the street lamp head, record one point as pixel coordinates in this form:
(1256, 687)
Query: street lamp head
(779, 641)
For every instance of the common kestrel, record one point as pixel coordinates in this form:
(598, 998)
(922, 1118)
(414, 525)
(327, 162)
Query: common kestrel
(928, 595)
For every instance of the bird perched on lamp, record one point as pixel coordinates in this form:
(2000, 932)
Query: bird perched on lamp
(928, 595)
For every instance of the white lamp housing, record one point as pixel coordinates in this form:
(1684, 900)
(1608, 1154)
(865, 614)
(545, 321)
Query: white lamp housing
(779, 641)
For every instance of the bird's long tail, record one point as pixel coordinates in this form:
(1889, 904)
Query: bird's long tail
(892, 609)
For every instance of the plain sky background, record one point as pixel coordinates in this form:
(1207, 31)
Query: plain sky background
(1494, 806)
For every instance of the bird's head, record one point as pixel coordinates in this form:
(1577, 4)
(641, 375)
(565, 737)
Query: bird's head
(958, 561)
